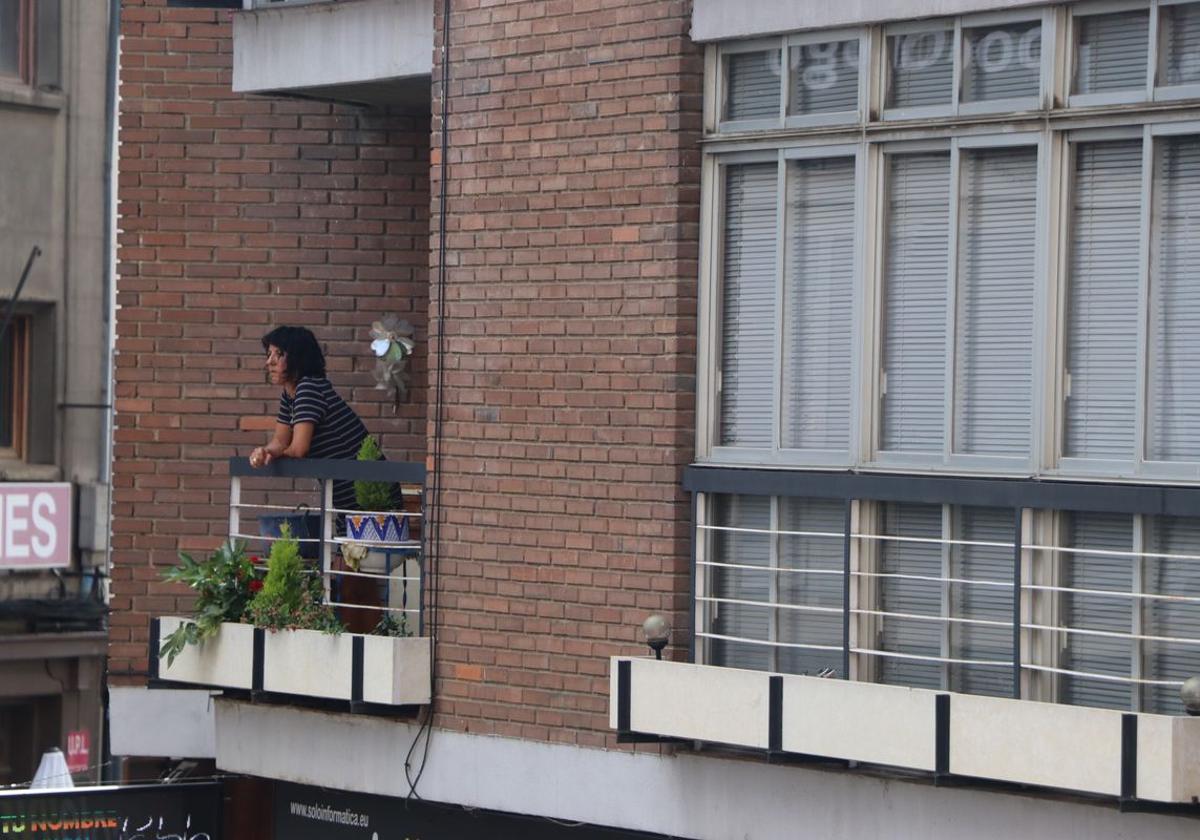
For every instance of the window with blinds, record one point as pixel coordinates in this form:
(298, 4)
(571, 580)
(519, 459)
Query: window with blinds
(1179, 47)
(1174, 375)
(1102, 301)
(981, 593)
(916, 273)
(748, 305)
(1111, 51)
(994, 341)
(1175, 622)
(1097, 602)
(741, 583)
(824, 77)
(921, 69)
(752, 85)
(1002, 62)
(810, 586)
(818, 304)
(910, 595)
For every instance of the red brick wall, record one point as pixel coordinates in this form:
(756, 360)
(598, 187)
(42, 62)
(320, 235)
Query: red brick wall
(572, 238)
(238, 213)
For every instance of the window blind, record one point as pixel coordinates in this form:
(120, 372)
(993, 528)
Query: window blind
(1091, 611)
(922, 69)
(752, 85)
(742, 621)
(1172, 619)
(1180, 44)
(824, 77)
(818, 304)
(982, 565)
(914, 317)
(994, 342)
(804, 554)
(1102, 301)
(748, 305)
(911, 597)
(1003, 62)
(1112, 51)
(1174, 375)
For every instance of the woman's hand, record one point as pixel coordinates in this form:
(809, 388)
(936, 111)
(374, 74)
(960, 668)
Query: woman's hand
(260, 457)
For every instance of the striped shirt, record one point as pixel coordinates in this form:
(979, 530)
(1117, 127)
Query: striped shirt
(337, 431)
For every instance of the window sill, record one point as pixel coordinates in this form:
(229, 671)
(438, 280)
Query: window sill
(13, 92)
(14, 470)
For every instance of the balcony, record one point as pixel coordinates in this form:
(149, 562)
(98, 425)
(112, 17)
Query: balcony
(1023, 632)
(361, 671)
(371, 52)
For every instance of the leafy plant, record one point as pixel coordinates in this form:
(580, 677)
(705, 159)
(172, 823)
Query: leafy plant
(372, 495)
(291, 597)
(390, 625)
(224, 585)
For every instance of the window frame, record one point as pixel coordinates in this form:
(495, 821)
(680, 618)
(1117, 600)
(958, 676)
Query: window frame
(711, 321)
(825, 36)
(26, 51)
(20, 338)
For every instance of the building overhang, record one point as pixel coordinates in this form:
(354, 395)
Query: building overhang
(372, 52)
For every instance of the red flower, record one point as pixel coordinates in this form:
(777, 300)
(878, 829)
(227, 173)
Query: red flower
(255, 585)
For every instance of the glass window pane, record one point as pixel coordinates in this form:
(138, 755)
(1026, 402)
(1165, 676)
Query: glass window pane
(751, 620)
(1102, 300)
(1180, 44)
(810, 576)
(10, 37)
(48, 44)
(8, 377)
(916, 271)
(1002, 62)
(1172, 619)
(748, 305)
(818, 304)
(994, 353)
(824, 77)
(922, 69)
(752, 85)
(1091, 610)
(985, 595)
(1111, 51)
(1174, 400)
(916, 591)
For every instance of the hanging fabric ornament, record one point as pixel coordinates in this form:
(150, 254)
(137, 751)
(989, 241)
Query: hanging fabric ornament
(392, 344)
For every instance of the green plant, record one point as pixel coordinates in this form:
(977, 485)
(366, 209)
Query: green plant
(292, 597)
(223, 583)
(372, 495)
(390, 625)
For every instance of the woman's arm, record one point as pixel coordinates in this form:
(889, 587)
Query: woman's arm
(301, 440)
(276, 446)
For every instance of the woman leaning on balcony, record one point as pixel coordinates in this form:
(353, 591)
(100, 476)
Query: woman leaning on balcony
(313, 420)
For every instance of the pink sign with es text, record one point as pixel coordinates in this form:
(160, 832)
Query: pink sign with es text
(35, 526)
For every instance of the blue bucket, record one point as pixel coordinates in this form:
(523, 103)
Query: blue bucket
(303, 526)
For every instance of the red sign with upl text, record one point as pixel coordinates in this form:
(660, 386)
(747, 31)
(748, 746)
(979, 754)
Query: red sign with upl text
(35, 526)
(79, 747)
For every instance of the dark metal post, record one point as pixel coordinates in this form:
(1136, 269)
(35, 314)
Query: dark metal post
(1016, 603)
(692, 585)
(846, 591)
(12, 302)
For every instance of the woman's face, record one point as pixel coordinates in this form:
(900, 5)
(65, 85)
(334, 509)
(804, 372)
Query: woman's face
(276, 365)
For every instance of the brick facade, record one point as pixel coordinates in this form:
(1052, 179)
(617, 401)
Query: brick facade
(237, 213)
(572, 241)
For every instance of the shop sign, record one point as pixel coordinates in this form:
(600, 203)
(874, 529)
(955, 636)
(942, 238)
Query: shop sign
(312, 813)
(180, 811)
(79, 743)
(35, 526)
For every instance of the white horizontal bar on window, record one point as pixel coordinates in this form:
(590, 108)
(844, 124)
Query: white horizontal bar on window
(1007, 584)
(934, 540)
(289, 508)
(1106, 677)
(991, 663)
(751, 568)
(381, 576)
(262, 538)
(765, 643)
(1105, 552)
(1111, 634)
(371, 607)
(771, 532)
(983, 622)
(399, 513)
(1148, 596)
(769, 605)
(375, 545)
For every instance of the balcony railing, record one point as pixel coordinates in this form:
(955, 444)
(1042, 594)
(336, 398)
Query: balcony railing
(384, 663)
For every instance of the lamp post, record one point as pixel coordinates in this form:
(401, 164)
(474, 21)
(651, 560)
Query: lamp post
(657, 632)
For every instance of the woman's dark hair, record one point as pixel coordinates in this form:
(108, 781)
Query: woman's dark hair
(303, 356)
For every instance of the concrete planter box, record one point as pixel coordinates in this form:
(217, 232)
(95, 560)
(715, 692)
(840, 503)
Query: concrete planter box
(379, 670)
(1098, 751)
